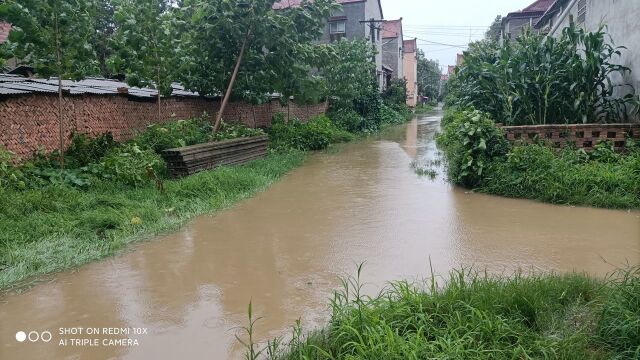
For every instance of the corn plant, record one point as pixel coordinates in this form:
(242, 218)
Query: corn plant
(539, 79)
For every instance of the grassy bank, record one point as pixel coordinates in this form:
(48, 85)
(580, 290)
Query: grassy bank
(479, 157)
(480, 317)
(60, 227)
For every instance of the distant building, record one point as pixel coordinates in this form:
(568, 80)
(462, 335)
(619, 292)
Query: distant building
(459, 59)
(620, 17)
(515, 22)
(348, 24)
(410, 50)
(451, 70)
(392, 43)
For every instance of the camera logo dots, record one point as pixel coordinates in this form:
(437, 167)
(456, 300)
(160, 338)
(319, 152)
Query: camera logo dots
(21, 336)
(34, 336)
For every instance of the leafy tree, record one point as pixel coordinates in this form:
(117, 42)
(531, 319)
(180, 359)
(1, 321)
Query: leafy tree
(429, 76)
(105, 28)
(494, 31)
(145, 44)
(251, 47)
(53, 36)
(349, 73)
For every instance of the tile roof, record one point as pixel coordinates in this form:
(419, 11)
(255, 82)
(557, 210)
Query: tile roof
(410, 46)
(5, 29)
(14, 84)
(540, 5)
(392, 29)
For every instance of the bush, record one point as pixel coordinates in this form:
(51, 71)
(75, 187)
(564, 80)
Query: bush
(11, 177)
(234, 131)
(85, 150)
(316, 134)
(131, 165)
(471, 141)
(175, 134)
(347, 119)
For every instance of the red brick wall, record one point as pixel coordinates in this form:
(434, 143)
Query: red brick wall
(584, 136)
(30, 122)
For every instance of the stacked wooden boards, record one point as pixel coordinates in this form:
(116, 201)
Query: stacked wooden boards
(189, 160)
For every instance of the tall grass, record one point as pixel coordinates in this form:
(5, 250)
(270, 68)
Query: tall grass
(59, 227)
(476, 316)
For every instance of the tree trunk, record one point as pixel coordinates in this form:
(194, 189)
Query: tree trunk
(159, 108)
(216, 125)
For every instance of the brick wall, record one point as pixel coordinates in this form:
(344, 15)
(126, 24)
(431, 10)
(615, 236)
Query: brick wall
(30, 122)
(584, 136)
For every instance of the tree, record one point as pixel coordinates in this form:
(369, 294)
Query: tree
(251, 47)
(495, 30)
(145, 45)
(105, 28)
(53, 36)
(429, 76)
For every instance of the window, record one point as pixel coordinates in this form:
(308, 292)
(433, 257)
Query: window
(582, 11)
(338, 27)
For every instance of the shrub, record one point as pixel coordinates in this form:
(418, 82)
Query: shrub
(10, 175)
(471, 141)
(234, 131)
(316, 134)
(347, 119)
(131, 165)
(85, 150)
(175, 134)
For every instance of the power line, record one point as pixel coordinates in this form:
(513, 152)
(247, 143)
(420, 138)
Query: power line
(439, 43)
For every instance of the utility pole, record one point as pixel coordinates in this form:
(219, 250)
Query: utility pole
(372, 32)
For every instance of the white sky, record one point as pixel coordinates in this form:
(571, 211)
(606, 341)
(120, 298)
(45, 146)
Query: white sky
(451, 22)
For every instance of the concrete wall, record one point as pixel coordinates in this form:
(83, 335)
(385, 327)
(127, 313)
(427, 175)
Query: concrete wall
(622, 18)
(392, 56)
(411, 75)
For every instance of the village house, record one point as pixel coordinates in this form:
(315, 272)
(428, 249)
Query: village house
(619, 16)
(515, 22)
(358, 19)
(392, 43)
(410, 68)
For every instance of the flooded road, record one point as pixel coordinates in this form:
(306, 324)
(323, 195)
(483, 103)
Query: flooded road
(284, 249)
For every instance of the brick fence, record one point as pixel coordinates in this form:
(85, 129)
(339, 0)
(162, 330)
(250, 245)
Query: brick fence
(584, 136)
(30, 122)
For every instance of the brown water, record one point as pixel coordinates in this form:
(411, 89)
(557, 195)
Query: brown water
(285, 248)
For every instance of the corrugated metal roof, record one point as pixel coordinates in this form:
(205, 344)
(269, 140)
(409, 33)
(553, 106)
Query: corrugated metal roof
(15, 84)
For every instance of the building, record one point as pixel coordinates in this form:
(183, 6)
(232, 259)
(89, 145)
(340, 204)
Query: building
(392, 44)
(459, 60)
(620, 17)
(410, 69)
(358, 19)
(515, 22)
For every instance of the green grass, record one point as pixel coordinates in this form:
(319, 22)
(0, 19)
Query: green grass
(423, 109)
(475, 316)
(538, 172)
(60, 227)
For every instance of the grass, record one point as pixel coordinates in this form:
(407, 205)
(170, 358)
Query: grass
(423, 109)
(59, 227)
(476, 316)
(538, 172)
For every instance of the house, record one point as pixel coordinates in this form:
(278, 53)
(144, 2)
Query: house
(5, 29)
(392, 43)
(358, 19)
(515, 22)
(410, 69)
(620, 17)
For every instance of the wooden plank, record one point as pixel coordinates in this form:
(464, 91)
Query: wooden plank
(192, 159)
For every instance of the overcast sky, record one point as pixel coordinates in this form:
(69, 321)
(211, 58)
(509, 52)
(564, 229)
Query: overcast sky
(451, 22)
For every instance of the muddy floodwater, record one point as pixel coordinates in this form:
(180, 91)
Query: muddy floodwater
(183, 296)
